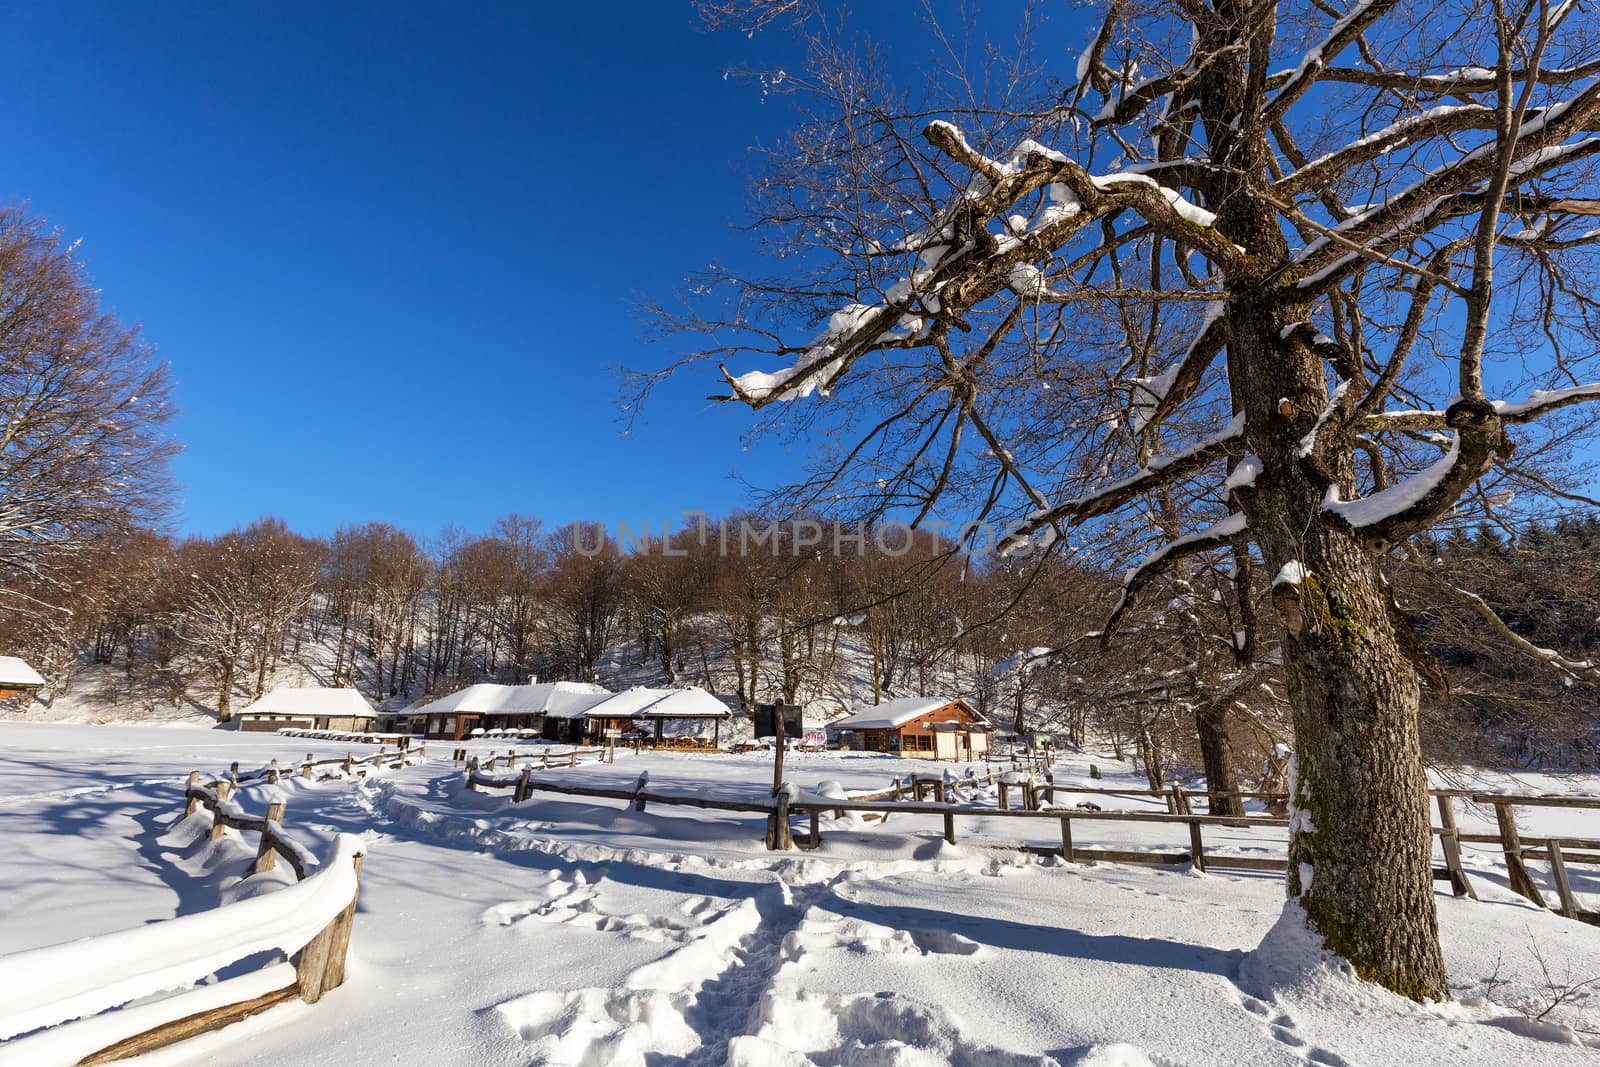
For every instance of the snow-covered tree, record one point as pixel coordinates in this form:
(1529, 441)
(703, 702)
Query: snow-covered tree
(1309, 269)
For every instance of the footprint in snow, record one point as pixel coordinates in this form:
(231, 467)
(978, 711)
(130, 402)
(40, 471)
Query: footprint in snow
(574, 902)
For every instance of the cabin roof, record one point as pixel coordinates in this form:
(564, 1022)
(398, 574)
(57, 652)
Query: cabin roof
(642, 702)
(312, 700)
(898, 712)
(556, 699)
(15, 672)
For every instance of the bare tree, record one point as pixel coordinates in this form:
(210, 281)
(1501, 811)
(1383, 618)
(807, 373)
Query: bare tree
(244, 587)
(83, 413)
(1347, 227)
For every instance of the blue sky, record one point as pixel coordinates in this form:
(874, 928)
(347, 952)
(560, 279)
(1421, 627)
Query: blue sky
(390, 250)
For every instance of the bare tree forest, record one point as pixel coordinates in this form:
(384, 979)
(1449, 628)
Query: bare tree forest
(1265, 286)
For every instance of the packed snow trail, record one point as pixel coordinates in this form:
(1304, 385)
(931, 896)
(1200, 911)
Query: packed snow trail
(560, 932)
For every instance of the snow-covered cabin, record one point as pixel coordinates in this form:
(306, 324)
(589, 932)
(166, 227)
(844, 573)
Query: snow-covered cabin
(18, 681)
(643, 709)
(916, 728)
(311, 707)
(487, 706)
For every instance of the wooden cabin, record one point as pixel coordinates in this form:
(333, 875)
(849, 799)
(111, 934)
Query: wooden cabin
(19, 682)
(309, 708)
(916, 728)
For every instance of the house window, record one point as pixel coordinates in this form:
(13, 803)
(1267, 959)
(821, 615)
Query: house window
(924, 742)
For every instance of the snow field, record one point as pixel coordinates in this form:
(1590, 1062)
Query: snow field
(560, 932)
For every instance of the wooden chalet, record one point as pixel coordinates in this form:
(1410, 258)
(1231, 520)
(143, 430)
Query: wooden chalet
(916, 728)
(18, 681)
(309, 708)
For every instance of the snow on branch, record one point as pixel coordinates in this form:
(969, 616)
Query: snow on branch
(1461, 82)
(1339, 37)
(821, 361)
(1434, 122)
(1387, 505)
(1517, 412)
(1543, 401)
(1447, 191)
(1218, 535)
(964, 262)
(1154, 398)
(1159, 471)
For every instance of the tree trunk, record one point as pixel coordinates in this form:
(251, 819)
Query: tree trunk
(1216, 752)
(225, 694)
(1360, 848)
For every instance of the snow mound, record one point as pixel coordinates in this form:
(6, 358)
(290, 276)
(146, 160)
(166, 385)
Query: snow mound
(802, 1029)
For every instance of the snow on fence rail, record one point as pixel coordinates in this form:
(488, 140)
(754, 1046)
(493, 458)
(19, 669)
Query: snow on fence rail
(75, 1002)
(930, 796)
(544, 758)
(788, 803)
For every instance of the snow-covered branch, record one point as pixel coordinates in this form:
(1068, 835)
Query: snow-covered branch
(1160, 470)
(1218, 535)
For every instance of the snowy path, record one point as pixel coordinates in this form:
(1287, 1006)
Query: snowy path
(556, 932)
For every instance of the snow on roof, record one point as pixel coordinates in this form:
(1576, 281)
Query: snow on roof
(892, 713)
(16, 672)
(556, 699)
(642, 702)
(312, 700)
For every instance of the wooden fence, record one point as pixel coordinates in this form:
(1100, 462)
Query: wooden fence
(929, 797)
(541, 758)
(83, 1001)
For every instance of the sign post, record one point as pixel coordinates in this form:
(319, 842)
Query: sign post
(776, 721)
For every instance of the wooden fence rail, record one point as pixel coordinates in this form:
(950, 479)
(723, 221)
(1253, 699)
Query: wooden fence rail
(787, 804)
(85, 1001)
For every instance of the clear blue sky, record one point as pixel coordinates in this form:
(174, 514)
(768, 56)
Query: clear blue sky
(389, 250)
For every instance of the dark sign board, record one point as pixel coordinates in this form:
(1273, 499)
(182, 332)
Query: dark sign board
(767, 720)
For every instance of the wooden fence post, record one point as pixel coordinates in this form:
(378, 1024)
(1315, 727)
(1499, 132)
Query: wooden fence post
(778, 836)
(472, 769)
(224, 789)
(1066, 840)
(305, 768)
(1558, 868)
(1005, 795)
(193, 802)
(574, 762)
(522, 789)
(266, 855)
(1197, 852)
(233, 772)
(638, 790)
(1511, 844)
(272, 771)
(1450, 845)
(950, 827)
(321, 964)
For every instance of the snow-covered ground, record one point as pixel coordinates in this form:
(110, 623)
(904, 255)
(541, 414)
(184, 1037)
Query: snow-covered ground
(561, 931)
